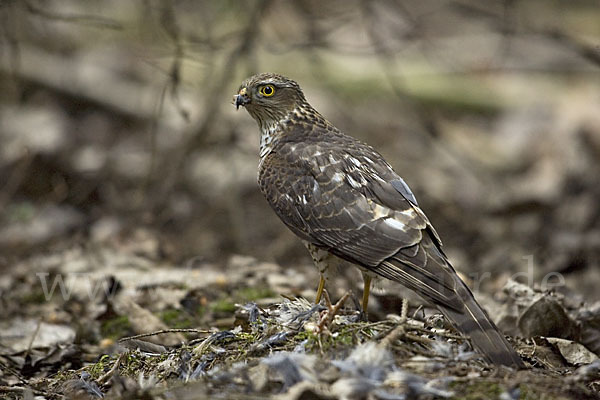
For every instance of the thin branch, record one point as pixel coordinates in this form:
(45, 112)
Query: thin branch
(249, 38)
(168, 22)
(163, 331)
(388, 64)
(90, 20)
(212, 112)
(589, 52)
(104, 378)
(15, 179)
(24, 390)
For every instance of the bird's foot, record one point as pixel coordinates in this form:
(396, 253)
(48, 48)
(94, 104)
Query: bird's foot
(363, 316)
(327, 316)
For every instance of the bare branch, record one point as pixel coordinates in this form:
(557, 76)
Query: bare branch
(89, 20)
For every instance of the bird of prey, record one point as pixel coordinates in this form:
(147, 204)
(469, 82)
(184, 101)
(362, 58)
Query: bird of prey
(345, 201)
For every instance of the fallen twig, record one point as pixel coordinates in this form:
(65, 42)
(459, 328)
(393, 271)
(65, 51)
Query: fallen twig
(104, 378)
(163, 331)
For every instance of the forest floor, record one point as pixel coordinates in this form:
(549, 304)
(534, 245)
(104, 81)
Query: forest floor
(143, 328)
(139, 260)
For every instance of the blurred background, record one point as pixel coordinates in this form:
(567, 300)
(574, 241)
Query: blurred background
(116, 124)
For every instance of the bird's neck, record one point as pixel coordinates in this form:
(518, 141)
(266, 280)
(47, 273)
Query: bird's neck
(273, 130)
(269, 133)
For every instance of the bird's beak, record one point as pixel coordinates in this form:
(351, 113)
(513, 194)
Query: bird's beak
(241, 99)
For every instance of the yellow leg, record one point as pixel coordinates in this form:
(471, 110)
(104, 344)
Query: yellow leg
(320, 289)
(366, 290)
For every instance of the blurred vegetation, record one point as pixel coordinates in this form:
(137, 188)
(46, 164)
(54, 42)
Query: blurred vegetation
(116, 115)
(129, 204)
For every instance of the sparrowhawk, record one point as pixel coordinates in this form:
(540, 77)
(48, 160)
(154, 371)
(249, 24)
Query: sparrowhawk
(344, 200)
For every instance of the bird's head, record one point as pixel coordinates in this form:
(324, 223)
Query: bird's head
(269, 98)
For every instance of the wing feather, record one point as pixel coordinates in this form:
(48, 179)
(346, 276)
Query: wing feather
(342, 196)
(352, 203)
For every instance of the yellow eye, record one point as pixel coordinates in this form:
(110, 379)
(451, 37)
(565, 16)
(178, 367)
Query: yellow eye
(267, 90)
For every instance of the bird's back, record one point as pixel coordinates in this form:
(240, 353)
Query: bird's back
(340, 195)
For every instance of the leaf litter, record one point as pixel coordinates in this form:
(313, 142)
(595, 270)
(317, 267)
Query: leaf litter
(116, 344)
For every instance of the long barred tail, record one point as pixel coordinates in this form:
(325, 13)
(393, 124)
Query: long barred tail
(474, 322)
(428, 272)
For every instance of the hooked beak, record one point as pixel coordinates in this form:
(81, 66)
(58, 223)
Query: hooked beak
(241, 99)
